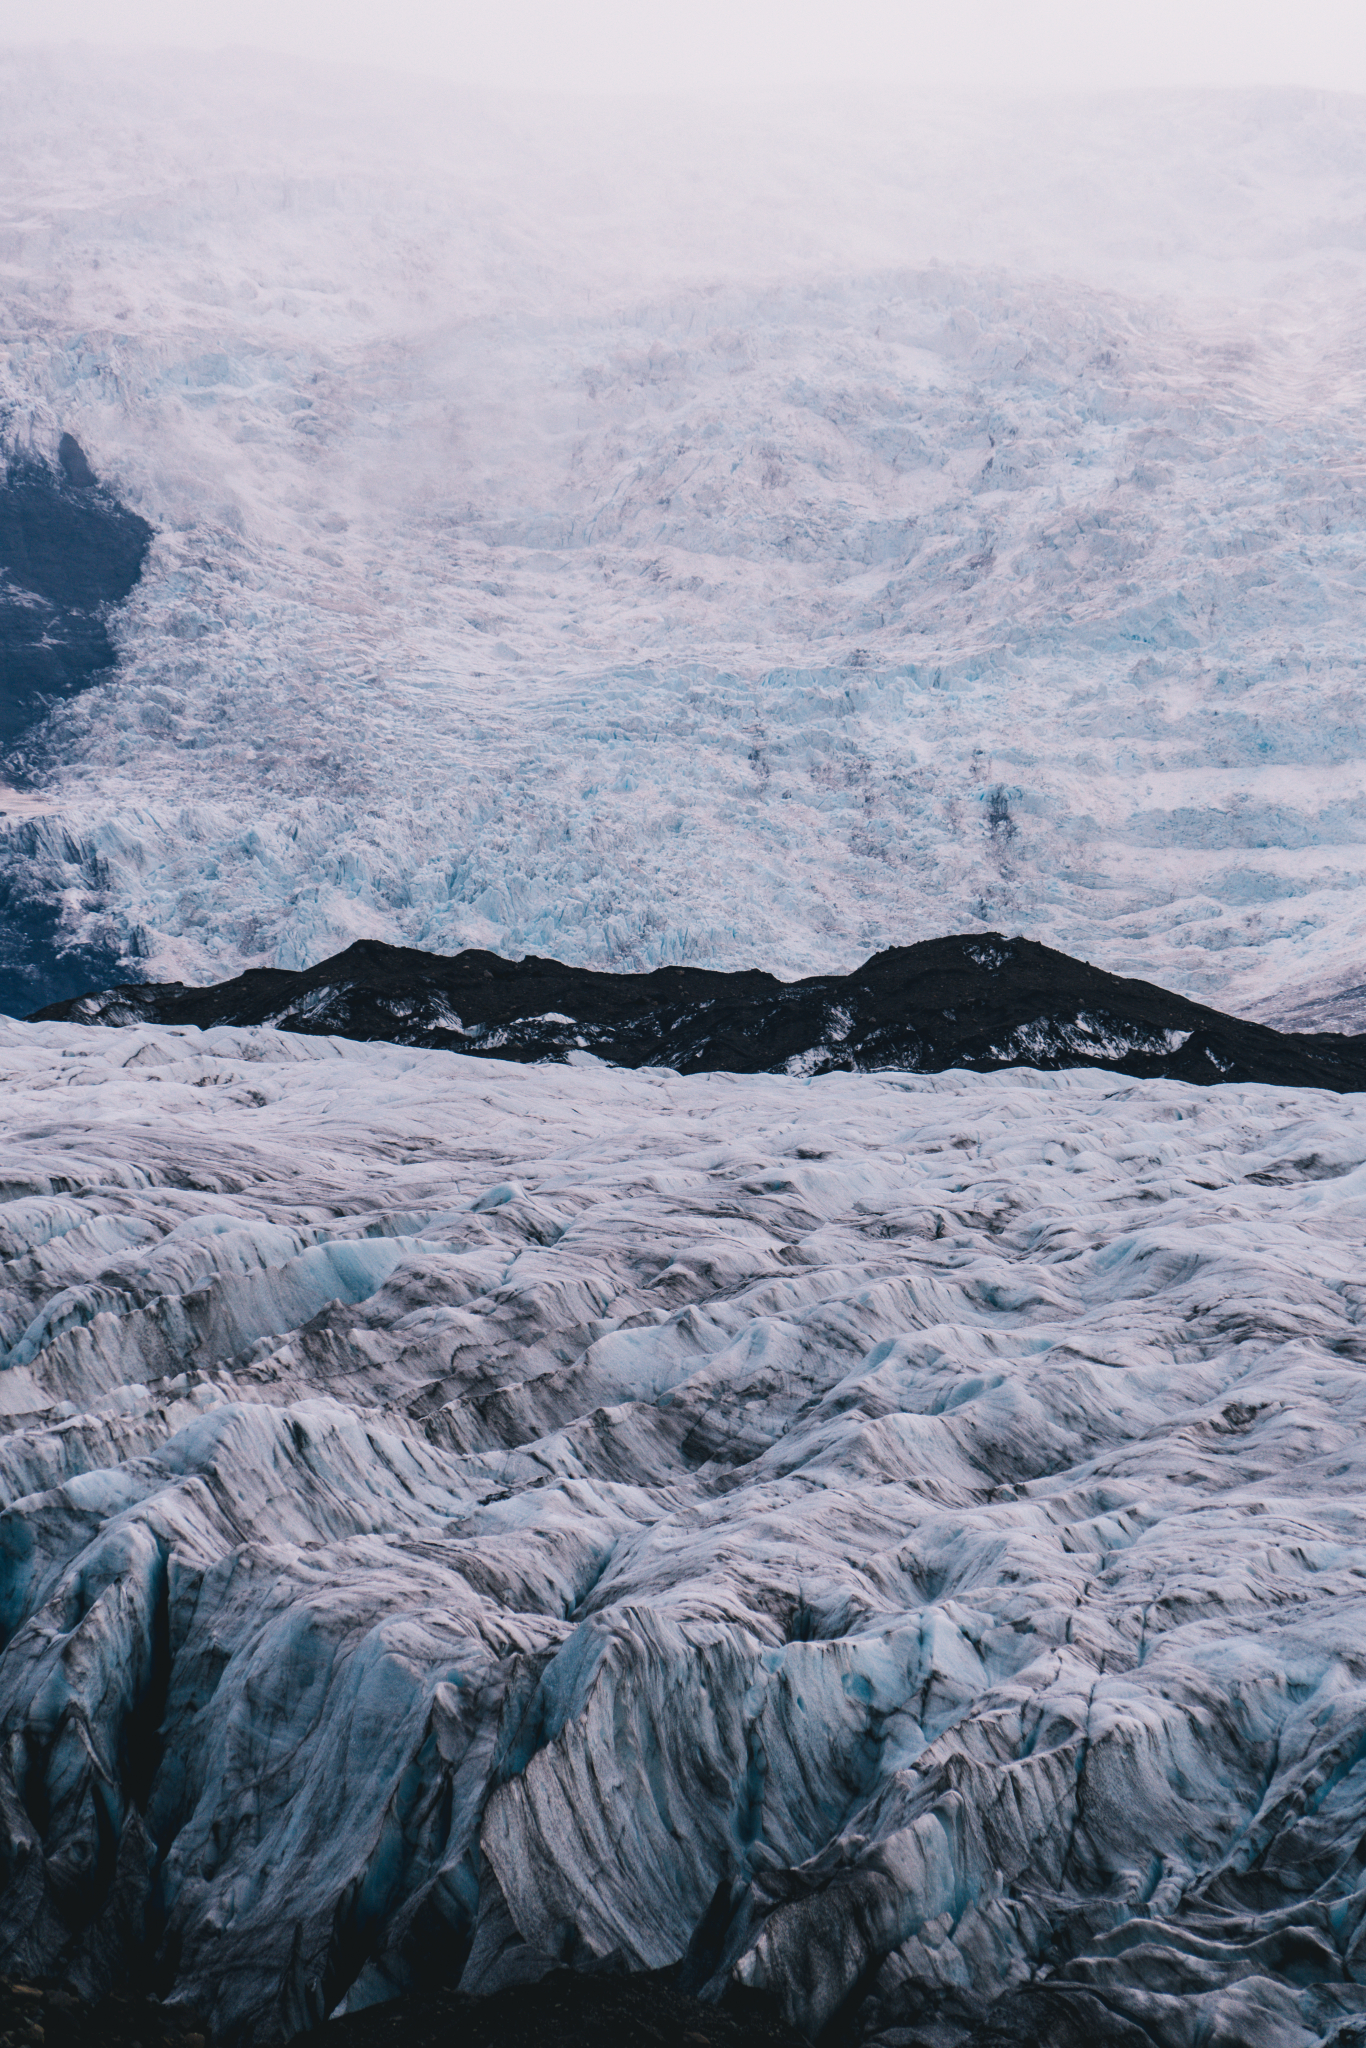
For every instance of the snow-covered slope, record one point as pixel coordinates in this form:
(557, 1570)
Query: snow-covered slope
(747, 536)
(888, 1539)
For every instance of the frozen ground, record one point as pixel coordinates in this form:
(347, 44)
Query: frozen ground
(892, 1539)
(744, 536)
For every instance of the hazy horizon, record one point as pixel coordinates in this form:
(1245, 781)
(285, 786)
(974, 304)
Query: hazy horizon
(757, 48)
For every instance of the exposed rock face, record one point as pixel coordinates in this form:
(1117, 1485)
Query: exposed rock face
(892, 1542)
(981, 1002)
(67, 551)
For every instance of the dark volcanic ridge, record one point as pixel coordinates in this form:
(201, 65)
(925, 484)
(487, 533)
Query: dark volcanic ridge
(979, 1002)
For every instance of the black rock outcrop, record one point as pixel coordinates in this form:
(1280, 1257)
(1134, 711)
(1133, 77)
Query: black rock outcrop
(979, 1002)
(68, 550)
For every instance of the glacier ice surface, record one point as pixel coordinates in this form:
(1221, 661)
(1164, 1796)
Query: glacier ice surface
(717, 535)
(887, 1539)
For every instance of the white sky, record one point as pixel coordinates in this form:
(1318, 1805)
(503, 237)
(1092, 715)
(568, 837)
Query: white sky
(762, 46)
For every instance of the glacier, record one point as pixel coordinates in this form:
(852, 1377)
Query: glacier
(890, 1540)
(687, 533)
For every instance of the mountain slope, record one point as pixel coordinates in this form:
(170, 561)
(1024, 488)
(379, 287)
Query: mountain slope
(707, 536)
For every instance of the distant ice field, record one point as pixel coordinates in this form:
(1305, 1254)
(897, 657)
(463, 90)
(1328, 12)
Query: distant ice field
(713, 534)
